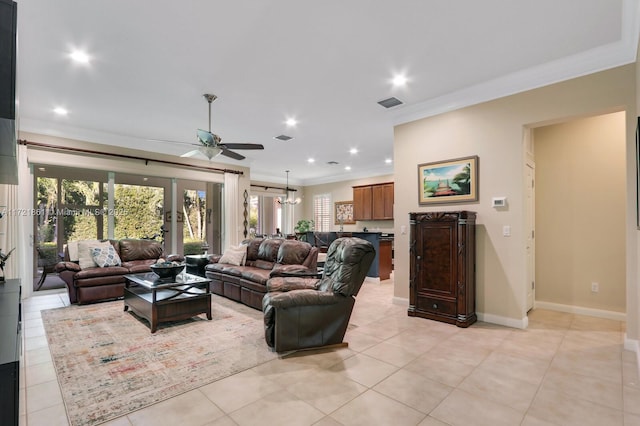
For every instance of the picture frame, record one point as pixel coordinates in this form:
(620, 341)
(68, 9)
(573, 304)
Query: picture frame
(449, 181)
(343, 213)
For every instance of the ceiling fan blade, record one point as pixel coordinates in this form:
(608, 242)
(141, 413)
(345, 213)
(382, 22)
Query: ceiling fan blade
(231, 154)
(243, 145)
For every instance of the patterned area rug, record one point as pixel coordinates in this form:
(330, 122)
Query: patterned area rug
(109, 364)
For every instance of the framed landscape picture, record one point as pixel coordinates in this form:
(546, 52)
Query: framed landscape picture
(450, 181)
(344, 213)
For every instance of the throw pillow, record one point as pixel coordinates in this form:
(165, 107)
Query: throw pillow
(85, 259)
(105, 256)
(72, 246)
(234, 256)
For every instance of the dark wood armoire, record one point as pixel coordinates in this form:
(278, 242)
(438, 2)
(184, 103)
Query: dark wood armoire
(443, 266)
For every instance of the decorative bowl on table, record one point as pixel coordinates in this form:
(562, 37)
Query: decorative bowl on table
(167, 269)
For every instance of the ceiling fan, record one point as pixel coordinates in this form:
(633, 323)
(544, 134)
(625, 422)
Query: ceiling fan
(211, 144)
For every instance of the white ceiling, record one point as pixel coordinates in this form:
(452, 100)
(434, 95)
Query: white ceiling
(326, 63)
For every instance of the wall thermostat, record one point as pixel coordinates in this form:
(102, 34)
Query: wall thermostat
(499, 201)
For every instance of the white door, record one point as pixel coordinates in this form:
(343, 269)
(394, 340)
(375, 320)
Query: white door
(530, 233)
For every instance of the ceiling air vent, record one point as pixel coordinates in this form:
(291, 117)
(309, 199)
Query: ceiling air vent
(283, 138)
(391, 102)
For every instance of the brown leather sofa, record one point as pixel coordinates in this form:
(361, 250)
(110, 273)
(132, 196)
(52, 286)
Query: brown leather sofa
(301, 313)
(102, 283)
(266, 258)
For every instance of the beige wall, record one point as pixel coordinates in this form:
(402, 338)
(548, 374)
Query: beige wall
(342, 191)
(494, 131)
(580, 212)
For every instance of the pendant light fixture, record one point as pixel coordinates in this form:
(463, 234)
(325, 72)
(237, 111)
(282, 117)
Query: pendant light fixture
(289, 200)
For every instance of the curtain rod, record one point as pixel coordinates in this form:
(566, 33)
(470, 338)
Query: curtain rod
(266, 188)
(130, 157)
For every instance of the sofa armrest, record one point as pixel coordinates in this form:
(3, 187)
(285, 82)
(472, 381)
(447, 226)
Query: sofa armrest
(67, 266)
(293, 271)
(214, 258)
(283, 284)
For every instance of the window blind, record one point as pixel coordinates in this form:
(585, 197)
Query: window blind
(322, 212)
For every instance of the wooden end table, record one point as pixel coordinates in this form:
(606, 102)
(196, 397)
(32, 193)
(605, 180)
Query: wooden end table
(162, 300)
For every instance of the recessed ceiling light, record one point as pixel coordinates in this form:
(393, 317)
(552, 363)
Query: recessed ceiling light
(399, 80)
(80, 57)
(291, 122)
(347, 168)
(311, 160)
(353, 151)
(388, 161)
(60, 111)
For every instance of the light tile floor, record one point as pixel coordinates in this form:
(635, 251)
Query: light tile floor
(563, 370)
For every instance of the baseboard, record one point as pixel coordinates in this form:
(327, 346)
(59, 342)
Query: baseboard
(400, 301)
(493, 319)
(505, 321)
(599, 313)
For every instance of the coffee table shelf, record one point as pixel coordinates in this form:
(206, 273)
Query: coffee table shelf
(164, 300)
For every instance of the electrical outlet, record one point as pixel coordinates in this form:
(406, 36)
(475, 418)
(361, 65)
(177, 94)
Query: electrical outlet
(595, 287)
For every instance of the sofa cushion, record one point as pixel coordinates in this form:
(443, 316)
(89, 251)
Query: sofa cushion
(234, 256)
(105, 256)
(256, 275)
(292, 252)
(252, 249)
(269, 249)
(263, 264)
(138, 266)
(225, 268)
(139, 250)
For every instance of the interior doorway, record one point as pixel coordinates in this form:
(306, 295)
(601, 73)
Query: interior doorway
(578, 217)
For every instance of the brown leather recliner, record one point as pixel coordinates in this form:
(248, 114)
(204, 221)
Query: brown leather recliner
(302, 313)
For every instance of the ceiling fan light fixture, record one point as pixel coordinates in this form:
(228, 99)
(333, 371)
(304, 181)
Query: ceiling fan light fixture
(210, 151)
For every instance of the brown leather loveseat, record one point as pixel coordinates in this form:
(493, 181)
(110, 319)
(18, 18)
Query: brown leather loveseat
(95, 283)
(265, 258)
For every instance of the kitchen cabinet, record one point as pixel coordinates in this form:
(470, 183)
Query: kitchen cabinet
(373, 202)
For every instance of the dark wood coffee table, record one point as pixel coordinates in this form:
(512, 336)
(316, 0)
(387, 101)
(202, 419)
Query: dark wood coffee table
(161, 300)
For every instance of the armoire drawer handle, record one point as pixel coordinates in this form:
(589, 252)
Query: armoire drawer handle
(435, 306)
